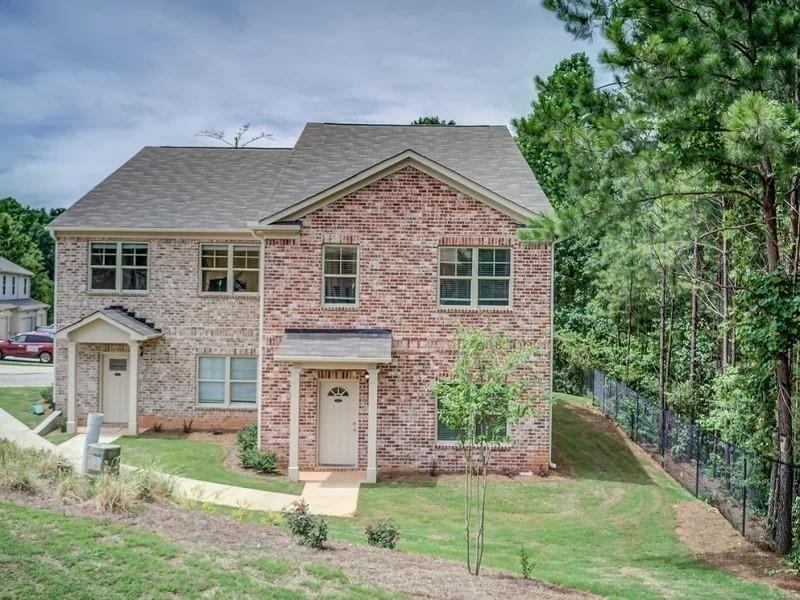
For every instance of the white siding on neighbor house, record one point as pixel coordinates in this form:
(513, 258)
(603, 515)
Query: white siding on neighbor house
(14, 287)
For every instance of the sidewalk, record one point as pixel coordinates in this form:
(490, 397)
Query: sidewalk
(329, 494)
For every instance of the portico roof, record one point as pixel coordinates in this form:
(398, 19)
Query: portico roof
(335, 346)
(109, 324)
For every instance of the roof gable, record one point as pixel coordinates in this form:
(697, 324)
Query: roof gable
(387, 167)
(6, 266)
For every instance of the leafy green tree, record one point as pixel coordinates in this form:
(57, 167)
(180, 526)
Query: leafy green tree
(710, 124)
(489, 390)
(434, 120)
(25, 240)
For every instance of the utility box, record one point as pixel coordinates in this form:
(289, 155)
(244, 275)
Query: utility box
(102, 458)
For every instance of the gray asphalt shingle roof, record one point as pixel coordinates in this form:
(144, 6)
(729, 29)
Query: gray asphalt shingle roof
(372, 345)
(224, 188)
(6, 266)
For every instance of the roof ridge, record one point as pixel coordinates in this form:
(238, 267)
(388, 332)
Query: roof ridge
(224, 147)
(408, 125)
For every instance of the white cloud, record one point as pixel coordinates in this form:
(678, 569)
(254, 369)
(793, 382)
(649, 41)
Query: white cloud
(90, 84)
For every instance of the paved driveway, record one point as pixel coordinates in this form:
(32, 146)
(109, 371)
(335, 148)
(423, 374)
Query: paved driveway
(18, 373)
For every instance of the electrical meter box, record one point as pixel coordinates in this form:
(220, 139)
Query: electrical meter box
(102, 458)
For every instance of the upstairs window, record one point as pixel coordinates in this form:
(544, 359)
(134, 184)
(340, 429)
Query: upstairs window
(118, 266)
(474, 277)
(229, 268)
(25, 286)
(13, 286)
(340, 275)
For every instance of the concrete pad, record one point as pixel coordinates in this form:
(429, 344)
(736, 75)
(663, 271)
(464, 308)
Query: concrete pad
(72, 449)
(332, 493)
(23, 374)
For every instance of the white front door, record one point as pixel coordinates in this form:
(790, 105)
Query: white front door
(338, 423)
(115, 388)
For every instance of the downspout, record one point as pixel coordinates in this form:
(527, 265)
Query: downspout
(552, 465)
(260, 353)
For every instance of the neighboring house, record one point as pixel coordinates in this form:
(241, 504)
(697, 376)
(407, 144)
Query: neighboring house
(315, 289)
(18, 311)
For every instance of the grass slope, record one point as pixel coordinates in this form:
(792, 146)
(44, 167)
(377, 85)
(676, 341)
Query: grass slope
(46, 555)
(17, 402)
(197, 459)
(609, 531)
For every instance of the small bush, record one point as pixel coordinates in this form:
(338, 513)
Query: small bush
(312, 531)
(247, 438)
(526, 564)
(383, 534)
(272, 518)
(47, 397)
(187, 425)
(250, 455)
(17, 476)
(60, 423)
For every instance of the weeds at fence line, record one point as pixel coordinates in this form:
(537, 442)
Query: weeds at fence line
(731, 478)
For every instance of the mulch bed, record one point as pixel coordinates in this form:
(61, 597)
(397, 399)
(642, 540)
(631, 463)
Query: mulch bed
(413, 575)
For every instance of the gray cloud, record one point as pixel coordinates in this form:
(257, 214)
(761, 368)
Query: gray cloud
(89, 83)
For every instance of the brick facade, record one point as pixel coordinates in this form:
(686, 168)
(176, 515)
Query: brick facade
(398, 224)
(193, 324)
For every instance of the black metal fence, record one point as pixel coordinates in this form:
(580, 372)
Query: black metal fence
(733, 479)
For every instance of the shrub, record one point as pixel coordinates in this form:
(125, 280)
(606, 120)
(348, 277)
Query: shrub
(312, 531)
(383, 534)
(247, 438)
(250, 455)
(526, 564)
(47, 397)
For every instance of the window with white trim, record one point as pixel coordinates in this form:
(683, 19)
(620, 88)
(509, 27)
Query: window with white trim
(118, 266)
(476, 277)
(229, 268)
(445, 434)
(227, 380)
(340, 274)
(13, 286)
(24, 286)
(4, 284)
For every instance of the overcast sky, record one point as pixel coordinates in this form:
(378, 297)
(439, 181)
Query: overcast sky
(84, 85)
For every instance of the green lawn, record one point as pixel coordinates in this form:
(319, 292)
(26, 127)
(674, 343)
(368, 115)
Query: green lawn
(58, 437)
(609, 531)
(197, 459)
(17, 401)
(46, 555)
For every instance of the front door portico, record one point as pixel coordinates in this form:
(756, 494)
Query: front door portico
(337, 405)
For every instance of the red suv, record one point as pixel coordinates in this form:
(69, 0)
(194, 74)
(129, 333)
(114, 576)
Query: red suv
(34, 344)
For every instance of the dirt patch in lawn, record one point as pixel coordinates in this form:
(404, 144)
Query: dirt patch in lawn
(416, 576)
(712, 539)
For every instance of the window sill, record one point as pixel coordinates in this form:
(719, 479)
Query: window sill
(223, 408)
(339, 306)
(119, 292)
(243, 295)
(455, 308)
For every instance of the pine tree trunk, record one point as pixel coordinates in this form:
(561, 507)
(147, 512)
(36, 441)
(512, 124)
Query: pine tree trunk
(783, 488)
(662, 398)
(693, 327)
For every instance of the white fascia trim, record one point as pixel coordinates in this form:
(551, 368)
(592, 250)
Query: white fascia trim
(274, 230)
(63, 334)
(389, 166)
(150, 231)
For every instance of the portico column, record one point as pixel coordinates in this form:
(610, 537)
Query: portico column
(133, 389)
(71, 386)
(294, 422)
(372, 426)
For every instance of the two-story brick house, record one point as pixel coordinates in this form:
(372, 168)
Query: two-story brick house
(18, 311)
(315, 289)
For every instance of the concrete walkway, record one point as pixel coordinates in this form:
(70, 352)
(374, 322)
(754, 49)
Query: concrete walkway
(329, 494)
(332, 493)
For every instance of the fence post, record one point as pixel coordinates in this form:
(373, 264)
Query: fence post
(662, 431)
(744, 495)
(698, 436)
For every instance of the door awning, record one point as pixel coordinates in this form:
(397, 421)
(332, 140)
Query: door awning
(335, 346)
(110, 325)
